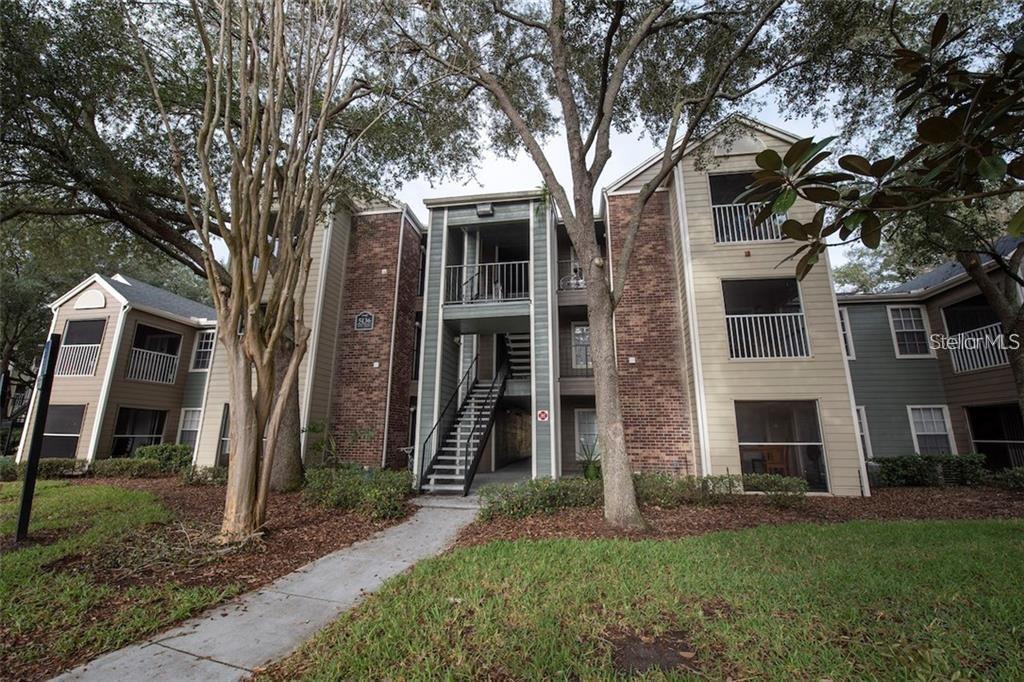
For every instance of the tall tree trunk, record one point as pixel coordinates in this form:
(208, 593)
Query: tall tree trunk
(620, 507)
(240, 519)
(286, 469)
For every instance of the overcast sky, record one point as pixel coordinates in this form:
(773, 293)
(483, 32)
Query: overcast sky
(628, 151)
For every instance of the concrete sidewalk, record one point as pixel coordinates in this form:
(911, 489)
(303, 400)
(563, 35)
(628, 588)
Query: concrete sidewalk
(231, 640)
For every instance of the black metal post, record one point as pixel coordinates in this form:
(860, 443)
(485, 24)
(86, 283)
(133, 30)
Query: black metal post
(44, 384)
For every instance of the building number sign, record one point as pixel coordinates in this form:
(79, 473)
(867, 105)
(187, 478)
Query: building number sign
(364, 321)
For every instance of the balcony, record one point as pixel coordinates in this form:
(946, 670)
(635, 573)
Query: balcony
(979, 348)
(487, 283)
(771, 335)
(570, 276)
(735, 223)
(77, 360)
(151, 366)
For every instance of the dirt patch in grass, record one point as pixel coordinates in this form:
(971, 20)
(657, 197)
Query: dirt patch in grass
(887, 504)
(634, 653)
(186, 551)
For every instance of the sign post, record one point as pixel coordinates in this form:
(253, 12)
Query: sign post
(44, 384)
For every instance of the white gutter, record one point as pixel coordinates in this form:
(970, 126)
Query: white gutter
(391, 352)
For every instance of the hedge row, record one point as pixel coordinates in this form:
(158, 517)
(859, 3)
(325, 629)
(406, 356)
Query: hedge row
(545, 495)
(379, 493)
(932, 470)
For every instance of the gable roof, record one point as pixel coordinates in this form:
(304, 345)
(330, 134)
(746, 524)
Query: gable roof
(143, 296)
(952, 269)
(742, 119)
(935, 280)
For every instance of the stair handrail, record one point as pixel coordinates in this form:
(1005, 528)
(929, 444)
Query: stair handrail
(422, 473)
(497, 390)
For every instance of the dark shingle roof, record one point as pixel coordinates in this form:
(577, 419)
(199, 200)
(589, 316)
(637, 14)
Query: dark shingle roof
(951, 269)
(140, 293)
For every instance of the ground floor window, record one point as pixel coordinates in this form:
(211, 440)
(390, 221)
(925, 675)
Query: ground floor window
(135, 428)
(998, 432)
(224, 441)
(189, 430)
(782, 437)
(586, 434)
(61, 430)
(929, 425)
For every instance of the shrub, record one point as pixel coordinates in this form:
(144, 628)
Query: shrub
(54, 467)
(127, 467)
(204, 475)
(932, 470)
(1011, 479)
(8, 469)
(539, 496)
(378, 493)
(782, 491)
(172, 457)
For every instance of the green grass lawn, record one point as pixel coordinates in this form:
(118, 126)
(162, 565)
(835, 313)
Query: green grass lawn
(906, 600)
(49, 616)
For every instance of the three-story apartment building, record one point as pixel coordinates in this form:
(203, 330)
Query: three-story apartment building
(465, 341)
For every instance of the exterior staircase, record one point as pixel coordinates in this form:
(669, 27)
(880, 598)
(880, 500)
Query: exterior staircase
(455, 461)
(518, 346)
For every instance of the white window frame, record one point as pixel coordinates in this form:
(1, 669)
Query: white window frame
(576, 430)
(820, 443)
(864, 432)
(927, 331)
(181, 424)
(195, 349)
(572, 345)
(158, 436)
(945, 416)
(76, 436)
(846, 332)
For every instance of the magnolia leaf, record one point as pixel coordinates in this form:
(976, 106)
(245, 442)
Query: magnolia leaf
(1016, 168)
(769, 159)
(854, 219)
(939, 32)
(831, 230)
(829, 178)
(855, 164)
(937, 130)
(794, 230)
(764, 213)
(806, 263)
(784, 201)
(820, 194)
(797, 151)
(992, 167)
(882, 166)
(871, 231)
(1016, 224)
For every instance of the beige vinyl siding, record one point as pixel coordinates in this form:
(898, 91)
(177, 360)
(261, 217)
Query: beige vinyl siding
(84, 390)
(636, 183)
(142, 394)
(821, 378)
(685, 338)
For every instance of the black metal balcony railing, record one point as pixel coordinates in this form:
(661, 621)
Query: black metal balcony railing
(487, 282)
(576, 361)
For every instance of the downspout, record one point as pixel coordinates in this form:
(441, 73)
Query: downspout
(698, 368)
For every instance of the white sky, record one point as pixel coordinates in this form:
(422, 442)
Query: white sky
(504, 175)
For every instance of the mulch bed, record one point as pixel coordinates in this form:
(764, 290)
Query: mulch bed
(185, 551)
(887, 504)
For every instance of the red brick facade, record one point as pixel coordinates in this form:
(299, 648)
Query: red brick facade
(655, 407)
(359, 393)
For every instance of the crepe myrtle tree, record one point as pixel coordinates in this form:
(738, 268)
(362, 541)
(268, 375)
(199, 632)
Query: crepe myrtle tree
(585, 69)
(957, 189)
(279, 77)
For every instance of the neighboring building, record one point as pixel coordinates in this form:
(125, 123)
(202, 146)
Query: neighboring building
(929, 373)
(469, 341)
(139, 365)
(727, 363)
